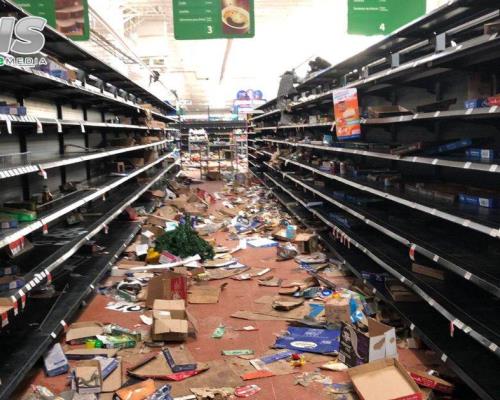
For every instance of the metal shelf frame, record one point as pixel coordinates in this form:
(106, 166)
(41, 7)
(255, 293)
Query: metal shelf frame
(359, 262)
(43, 273)
(389, 267)
(11, 236)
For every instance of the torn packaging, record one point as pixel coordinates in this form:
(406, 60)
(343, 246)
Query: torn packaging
(357, 347)
(138, 391)
(205, 294)
(179, 359)
(155, 366)
(167, 286)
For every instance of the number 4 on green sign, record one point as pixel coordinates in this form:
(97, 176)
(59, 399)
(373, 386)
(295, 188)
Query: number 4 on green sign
(375, 17)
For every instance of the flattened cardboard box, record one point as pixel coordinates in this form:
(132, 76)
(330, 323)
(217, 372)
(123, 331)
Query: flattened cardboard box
(384, 380)
(168, 286)
(179, 359)
(79, 331)
(357, 347)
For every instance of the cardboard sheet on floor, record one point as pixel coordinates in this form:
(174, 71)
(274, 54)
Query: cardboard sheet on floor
(267, 313)
(281, 367)
(114, 381)
(155, 366)
(219, 374)
(217, 274)
(205, 294)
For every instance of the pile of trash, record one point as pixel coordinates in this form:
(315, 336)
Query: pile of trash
(335, 325)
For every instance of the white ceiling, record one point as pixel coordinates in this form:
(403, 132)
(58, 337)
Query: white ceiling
(288, 33)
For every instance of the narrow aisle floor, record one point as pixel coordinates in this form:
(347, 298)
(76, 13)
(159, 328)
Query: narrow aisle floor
(236, 296)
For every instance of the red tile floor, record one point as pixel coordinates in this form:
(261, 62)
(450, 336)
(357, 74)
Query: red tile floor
(236, 296)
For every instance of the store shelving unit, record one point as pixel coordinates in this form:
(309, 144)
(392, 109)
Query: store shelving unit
(106, 138)
(378, 226)
(220, 143)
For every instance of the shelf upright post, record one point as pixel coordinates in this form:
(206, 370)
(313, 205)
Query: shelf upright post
(60, 136)
(103, 132)
(23, 148)
(87, 142)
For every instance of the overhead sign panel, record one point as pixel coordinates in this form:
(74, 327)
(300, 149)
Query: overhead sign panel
(70, 17)
(381, 17)
(213, 19)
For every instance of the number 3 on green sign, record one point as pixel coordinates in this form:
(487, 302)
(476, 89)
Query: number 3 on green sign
(210, 29)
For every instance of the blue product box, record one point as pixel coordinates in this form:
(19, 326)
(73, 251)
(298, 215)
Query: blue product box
(55, 361)
(475, 103)
(481, 201)
(310, 340)
(480, 154)
(10, 270)
(6, 283)
(449, 147)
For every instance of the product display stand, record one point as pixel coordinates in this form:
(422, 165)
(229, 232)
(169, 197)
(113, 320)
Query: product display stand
(415, 198)
(199, 150)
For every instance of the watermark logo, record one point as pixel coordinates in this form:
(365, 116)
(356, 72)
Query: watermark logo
(21, 41)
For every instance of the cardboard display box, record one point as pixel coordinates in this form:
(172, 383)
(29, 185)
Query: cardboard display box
(169, 320)
(79, 332)
(87, 377)
(357, 347)
(384, 380)
(168, 286)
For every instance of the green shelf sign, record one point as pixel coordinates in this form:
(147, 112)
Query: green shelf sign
(69, 17)
(381, 17)
(213, 19)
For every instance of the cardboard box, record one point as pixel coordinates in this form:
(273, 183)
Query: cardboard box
(169, 320)
(168, 286)
(387, 111)
(384, 380)
(55, 361)
(88, 354)
(150, 156)
(337, 311)
(137, 162)
(422, 378)
(79, 332)
(428, 271)
(179, 359)
(357, 347)
(114, 381)
(401, 293)
(87, 378)
(122, 142)
(306, 243)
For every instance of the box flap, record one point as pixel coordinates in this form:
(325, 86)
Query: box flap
(114, 381)
(170, 326)
(82, 330)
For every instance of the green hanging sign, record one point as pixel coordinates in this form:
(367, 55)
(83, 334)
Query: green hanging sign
(69, 17)
(381, 17)
(213, 19)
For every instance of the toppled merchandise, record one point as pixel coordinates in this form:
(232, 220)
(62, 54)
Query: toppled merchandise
(167, 275)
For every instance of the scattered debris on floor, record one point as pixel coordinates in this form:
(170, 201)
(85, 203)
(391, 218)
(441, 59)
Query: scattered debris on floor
(177, 264)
